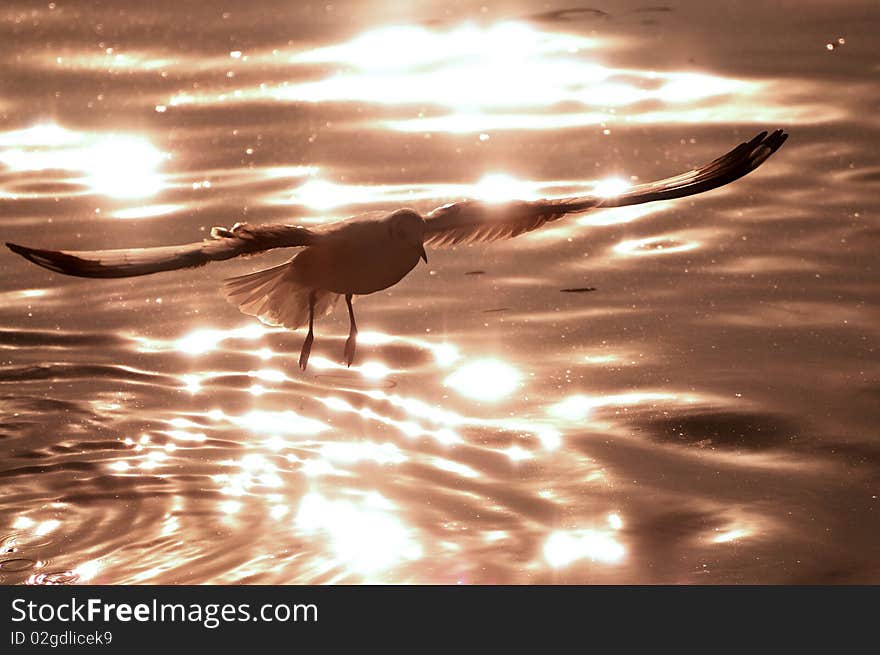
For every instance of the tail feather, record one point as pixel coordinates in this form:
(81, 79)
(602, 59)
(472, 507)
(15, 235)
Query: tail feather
(276, 297)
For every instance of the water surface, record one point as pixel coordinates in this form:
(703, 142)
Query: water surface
(682, 392)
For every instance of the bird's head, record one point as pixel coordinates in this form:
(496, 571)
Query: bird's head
(408, 226)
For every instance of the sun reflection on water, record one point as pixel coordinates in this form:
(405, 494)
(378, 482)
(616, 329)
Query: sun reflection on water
(352, 452)
(620, 215)
(23, 523)
(730, 535)
(380, 49)
(657, 245)
(499, 187)
(87, 571)
(364, 535)
(611, 186)
(564, 547)
(114, 165)
(485, 379)
(321, 194)
(147, 211)
(278, 422)
(578, 407)
(360, 532)
(203, 341)
(45, 527)
(505, 75)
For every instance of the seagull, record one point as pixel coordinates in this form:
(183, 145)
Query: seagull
(368, 253)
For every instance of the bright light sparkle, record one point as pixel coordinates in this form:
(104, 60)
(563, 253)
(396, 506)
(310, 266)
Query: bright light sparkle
(486, 379)
(114, 165)
(611, 186)
(565, 547)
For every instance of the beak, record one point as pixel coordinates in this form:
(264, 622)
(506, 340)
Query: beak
(423, 254)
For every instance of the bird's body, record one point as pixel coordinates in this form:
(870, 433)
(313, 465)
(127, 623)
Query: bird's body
(335, 265)
(339, 263)
(369, 253)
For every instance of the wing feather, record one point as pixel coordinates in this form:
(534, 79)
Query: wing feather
(471, 220)
(241, 239)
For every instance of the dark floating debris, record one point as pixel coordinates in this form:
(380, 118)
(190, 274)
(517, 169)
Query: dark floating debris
(499, 309)
(576, 13)
(652, 10)
(589, 13)
(475, 273)
(578, 290)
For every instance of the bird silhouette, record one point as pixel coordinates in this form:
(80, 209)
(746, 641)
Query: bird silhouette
(365, 254)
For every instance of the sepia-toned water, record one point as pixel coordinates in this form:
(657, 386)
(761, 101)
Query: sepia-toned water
(679, 392)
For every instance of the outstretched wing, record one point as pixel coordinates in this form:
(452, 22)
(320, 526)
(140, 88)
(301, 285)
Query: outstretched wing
(472, 220)
(242, 239)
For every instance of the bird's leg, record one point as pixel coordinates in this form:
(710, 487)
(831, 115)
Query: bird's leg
(351, 342)
(310, 337)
